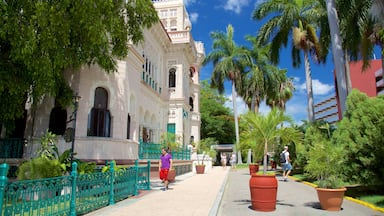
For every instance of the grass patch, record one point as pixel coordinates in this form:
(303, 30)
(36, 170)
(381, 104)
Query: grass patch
(370, 194)
(241, 166)
(377, 200)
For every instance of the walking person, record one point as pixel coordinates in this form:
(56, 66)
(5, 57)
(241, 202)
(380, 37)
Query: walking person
(165, 164)
(286, 163)
(223, 160)
(233, 160)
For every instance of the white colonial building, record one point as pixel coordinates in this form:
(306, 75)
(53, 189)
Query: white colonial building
(154, 91)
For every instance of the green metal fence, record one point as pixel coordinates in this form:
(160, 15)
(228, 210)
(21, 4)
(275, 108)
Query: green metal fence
(73, 194)
(153, 151)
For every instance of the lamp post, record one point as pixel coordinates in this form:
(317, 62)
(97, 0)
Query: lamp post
(76, 99)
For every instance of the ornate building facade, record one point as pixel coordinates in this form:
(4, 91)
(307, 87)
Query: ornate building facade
(154, 91)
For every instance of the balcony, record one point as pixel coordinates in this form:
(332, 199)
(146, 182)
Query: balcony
(379, 73)
(180, 36)
(380, 83)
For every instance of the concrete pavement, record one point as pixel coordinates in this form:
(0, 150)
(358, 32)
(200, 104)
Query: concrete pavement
(190, 195)
(293, 198)
(224, 192)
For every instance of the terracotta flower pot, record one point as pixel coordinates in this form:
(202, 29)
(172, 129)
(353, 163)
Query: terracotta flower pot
(200, 169)
(331, 199)
(253, 168)
(263, 192)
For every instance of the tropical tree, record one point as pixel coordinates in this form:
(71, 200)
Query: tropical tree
(262, 78)
(262, 130)
(216, 119)
(291, 18)
(39, 40)
(229, 61)
(284, 91)
(360, 25)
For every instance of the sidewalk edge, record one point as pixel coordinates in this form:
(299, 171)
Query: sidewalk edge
(219, 196)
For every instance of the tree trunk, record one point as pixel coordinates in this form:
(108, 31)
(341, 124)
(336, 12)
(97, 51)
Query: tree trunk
(337, 53)
(308, 78)
(347, 73)
(254, 102)
(234, 95)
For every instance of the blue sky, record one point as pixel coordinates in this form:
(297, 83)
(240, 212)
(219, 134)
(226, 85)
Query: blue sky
(215, 15)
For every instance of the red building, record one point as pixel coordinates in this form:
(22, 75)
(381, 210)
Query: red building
(369, 82)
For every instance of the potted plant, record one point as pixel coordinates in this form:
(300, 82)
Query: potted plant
(262, 130)
(204, 151)
(325, 159)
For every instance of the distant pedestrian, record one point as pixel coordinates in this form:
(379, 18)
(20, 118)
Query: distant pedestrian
(233, 160)
(223, 160)
(165, 164)
(287, 167)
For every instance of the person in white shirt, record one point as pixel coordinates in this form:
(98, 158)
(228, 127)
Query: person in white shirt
(287, 167)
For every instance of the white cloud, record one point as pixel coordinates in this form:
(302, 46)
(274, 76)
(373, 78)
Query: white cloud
(241, 106)
(193, 17)
(296, 107)
(318, 87)
(235, 5)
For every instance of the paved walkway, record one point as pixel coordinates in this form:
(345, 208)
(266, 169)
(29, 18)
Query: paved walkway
(190, 195)
(293, 198)
(224, 192)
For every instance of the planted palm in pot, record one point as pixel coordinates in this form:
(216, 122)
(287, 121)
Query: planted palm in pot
(325, 165)
(204, 152)
(263, 130)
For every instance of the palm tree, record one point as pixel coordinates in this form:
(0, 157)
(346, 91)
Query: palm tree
(261, 79)
(262, 130)
(284, 92)
(360, 25)
(228, 61)
(296, 19)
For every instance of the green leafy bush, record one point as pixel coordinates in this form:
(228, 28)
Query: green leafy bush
(38, 168)
(360, 133)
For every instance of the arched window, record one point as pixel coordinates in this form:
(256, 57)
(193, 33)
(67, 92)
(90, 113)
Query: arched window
(58, 120)
(100, 117)
(129, 127)
(191, 71)
(191, 103)
(172, 78)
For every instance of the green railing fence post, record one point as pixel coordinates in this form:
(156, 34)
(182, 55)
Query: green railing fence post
(73, 191)
(149, 174)
(3, 182)
(111, 193)
(136, 192)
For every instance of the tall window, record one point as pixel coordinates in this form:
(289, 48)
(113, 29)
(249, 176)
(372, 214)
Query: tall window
(172, 78)
(129, 127)
(173, 25)
(100, 118)
(173, 13)
(58, 120)
(191, 103)
(191, 71)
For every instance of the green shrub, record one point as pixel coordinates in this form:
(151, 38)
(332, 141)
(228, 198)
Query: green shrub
(39, 168)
